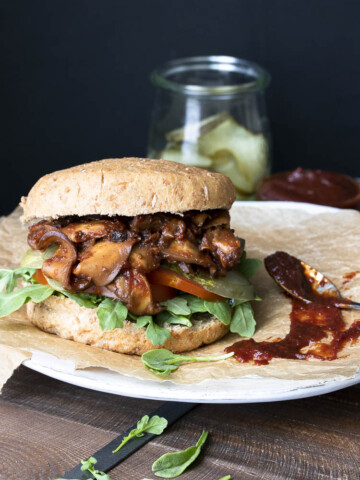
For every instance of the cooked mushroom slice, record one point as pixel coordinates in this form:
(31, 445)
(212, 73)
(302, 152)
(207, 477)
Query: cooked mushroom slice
(223, 245)
(144, 258)
(103, 261)
(219, 218)
(186, 251)
(134, 290)
(80, 232)
(59, 266)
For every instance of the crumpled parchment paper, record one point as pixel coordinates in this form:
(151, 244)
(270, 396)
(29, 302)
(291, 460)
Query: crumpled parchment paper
(329, 241)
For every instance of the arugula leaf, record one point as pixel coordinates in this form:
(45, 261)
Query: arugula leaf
(87, 466)
(9, 278)
(177, 305)
(111, 314)
(143, 321)
(221, 310)
(243, 321)
(157, 335)
(168, 317)
(162, 362)
(155, 425)
(196, 304)
(173, 464)
(12, 301)
(87, 300)
(248, 266)
(83, 299)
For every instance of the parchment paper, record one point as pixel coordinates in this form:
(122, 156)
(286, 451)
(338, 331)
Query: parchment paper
(329, 241)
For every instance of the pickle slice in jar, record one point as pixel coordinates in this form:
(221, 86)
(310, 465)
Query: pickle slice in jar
(186, 156)
(192, 131)
(248, 149)
(224, 162)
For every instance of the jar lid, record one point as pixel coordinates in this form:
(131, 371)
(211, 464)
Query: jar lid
(210, 75)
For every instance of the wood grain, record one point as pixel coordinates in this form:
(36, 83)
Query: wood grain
(47, 426)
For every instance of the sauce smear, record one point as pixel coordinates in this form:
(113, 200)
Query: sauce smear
(310, 323)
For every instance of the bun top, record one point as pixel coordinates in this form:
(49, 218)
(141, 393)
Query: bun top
(127, 186)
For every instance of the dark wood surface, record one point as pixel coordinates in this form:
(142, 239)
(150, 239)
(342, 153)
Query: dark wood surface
(46, 427)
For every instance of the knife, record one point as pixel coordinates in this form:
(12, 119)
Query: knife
(106, 460)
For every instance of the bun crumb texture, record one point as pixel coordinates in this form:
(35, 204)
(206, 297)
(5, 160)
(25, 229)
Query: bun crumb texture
(67, 319)
(129, 187)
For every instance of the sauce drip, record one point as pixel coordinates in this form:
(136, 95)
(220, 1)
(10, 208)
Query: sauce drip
(314, 186)
(310, 323)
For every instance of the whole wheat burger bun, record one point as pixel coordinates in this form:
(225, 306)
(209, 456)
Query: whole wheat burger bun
(127, 186)
(67, 319)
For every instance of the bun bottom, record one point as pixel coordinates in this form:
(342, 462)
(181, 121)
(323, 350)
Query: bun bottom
(66, 318)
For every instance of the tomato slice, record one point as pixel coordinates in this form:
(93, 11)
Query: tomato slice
(161, 293)
(163, 276)
(39, 277)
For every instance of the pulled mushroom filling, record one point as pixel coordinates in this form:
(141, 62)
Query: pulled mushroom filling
(112, 256)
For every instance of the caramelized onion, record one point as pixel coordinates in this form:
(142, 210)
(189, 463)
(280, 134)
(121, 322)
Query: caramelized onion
(59, 266)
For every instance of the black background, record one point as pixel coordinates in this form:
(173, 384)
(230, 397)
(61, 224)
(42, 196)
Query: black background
(75, 88)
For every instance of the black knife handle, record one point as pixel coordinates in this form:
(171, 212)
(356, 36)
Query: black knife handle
(106, 460)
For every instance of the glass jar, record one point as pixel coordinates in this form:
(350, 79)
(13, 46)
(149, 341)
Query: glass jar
(209, 112)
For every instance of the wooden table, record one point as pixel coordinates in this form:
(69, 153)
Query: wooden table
(47, 426)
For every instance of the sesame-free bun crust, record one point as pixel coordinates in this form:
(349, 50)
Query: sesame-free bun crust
(127, 186)
(67, 319)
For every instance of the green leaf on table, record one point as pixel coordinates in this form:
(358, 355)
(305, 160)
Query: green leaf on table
(12, 301)
(220, 310)
(163, 362)
(173, 464)
(111, 314)
(243, 321)
(87, 466)
(155, 425)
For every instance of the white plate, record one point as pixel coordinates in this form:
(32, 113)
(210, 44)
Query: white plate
(235, 390)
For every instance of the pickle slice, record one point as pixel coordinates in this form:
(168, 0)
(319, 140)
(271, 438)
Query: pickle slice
(248, 150)
(187, 157)
(224, 162)
(192, 131)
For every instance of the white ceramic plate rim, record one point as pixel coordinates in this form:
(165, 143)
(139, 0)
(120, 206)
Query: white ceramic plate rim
(233, 390)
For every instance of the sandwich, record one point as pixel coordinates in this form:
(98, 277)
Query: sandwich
(132, 254)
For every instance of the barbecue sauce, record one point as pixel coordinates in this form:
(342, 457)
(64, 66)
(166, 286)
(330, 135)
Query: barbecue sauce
(310, 323)
(313, 186)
